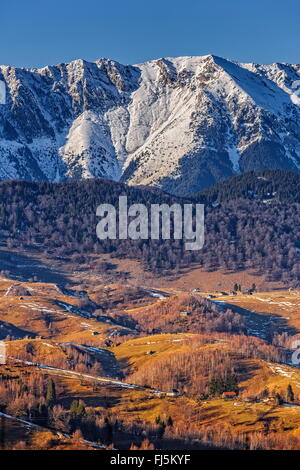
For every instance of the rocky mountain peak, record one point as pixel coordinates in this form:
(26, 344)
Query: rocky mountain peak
(176, 123)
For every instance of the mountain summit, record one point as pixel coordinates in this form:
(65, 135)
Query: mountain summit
(177, 123)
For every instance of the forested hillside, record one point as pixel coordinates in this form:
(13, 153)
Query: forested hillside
(59, 219)
(277, 185)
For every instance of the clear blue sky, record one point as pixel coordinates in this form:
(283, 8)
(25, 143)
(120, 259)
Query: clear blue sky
(35, 33)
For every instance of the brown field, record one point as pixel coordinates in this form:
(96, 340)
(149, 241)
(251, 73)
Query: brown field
(283, 304)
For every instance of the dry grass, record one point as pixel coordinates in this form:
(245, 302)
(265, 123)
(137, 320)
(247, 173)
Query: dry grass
(278, 303)
(30, 315)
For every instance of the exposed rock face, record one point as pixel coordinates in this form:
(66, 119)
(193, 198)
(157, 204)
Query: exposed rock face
(180, 124)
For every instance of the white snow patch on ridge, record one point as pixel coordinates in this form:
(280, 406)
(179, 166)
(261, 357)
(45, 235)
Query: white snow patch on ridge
(171, 119)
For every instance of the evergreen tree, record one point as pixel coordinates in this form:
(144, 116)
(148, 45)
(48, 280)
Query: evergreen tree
(73, 408)
(290, 394)
(77, 408)
(161, 429)
(108, 431)
(170, 421)
(278, 399)
(81, 409)
(231, 384)
(43, 413)
(51, 393)
(219, 385)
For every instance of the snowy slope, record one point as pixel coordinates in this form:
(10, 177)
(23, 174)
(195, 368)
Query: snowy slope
(177, 123)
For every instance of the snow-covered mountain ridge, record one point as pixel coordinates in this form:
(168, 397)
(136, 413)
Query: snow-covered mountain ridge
(177, 123)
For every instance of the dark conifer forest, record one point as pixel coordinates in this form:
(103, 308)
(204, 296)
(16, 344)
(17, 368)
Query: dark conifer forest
(59, 219)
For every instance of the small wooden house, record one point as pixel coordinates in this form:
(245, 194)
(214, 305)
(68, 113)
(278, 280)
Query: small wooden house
(229, 395)
(174, 393)
(184, 313)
